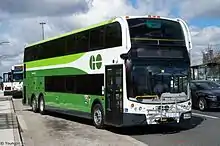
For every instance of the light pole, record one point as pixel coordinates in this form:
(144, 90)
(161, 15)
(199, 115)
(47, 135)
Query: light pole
(42, 24)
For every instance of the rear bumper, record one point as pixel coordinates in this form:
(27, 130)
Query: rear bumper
(16, 93)
(7, 93)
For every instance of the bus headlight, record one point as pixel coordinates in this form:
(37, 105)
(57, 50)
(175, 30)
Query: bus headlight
(140, 108)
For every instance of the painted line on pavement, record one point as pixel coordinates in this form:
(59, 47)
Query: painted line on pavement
(22, 122)
(207, 116)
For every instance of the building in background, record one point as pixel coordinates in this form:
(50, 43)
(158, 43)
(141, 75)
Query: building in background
(210, 68)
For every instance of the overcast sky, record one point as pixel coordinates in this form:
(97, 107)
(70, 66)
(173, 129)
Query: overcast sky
(19, 20)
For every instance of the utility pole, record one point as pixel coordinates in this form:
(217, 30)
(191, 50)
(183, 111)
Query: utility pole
(42, 24)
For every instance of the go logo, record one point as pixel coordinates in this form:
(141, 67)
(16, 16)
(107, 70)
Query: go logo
(95, 62)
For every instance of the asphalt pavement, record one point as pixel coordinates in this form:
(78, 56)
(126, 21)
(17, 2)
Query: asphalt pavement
(57, 129)
(204, 130)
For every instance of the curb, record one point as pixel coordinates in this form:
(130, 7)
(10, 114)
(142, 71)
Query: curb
(19, 127)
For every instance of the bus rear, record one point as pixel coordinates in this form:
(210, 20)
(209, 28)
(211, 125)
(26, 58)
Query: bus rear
(157, 71)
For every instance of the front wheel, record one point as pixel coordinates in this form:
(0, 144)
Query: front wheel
(98, 116)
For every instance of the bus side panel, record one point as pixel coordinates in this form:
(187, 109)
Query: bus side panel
(39, 85)
(29, 86)
(73, 103)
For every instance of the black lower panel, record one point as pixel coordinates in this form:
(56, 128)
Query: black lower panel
(134, 119)
(7, 93)
(69, 112)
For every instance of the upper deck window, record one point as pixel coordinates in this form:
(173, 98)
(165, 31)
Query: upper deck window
(150, 28)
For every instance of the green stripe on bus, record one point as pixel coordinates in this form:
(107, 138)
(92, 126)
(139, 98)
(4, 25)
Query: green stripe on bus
(54, 61)
(56, 71)
(72, 101)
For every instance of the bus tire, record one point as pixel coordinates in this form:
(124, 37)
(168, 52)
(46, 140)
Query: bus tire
(34, 104)
(98, 116)
(41, 105)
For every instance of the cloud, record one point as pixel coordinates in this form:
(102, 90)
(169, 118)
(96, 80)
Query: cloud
(19, 20)
(200, 8)
(33, 8)
(201, 38)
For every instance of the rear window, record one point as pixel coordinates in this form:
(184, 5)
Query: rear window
(154, 29)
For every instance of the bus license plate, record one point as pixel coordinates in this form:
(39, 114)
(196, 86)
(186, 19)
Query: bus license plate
(186, 116)
(172, 114)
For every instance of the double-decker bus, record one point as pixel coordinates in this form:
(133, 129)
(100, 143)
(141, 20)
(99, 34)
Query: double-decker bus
(122, 72)
(7, 83)
(17, 80)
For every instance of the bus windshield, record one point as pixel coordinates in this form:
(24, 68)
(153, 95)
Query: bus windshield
(150, 28)
(158, 79)
(17, 77)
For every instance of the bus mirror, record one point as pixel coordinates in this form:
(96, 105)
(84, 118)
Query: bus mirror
(124, 56)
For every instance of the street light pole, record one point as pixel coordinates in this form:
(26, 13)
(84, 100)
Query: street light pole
(42, 24)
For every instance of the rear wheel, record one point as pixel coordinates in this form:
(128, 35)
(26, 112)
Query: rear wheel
(42, 105)
(34, 105)
(98, 116)
(202, 104)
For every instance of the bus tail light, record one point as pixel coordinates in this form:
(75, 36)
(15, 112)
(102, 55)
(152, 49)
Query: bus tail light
(132, 105)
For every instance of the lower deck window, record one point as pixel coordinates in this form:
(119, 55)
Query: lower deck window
(79, 84)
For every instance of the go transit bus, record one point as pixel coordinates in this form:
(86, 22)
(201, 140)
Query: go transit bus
(17, 80)
(122, 72)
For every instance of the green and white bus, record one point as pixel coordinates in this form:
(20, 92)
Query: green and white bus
(17, 80)
(122, 72)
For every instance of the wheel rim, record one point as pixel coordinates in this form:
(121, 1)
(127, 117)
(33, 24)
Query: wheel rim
(97, 117)
(201, 105)
(41, 105)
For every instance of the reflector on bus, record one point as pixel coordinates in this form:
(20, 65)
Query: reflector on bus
(154, 16)
(146, 97)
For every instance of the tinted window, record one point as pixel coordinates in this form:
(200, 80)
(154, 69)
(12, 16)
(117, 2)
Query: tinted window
(33, 53)
(160, 52)
(58, 47)
(27, 55)
(80, 84)
(97, 38)
(55, 84)
(44, 50)
(82, 41)
(155, 28)
(207, 85)
(113, 36)
(192, 86)
(70, 44)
